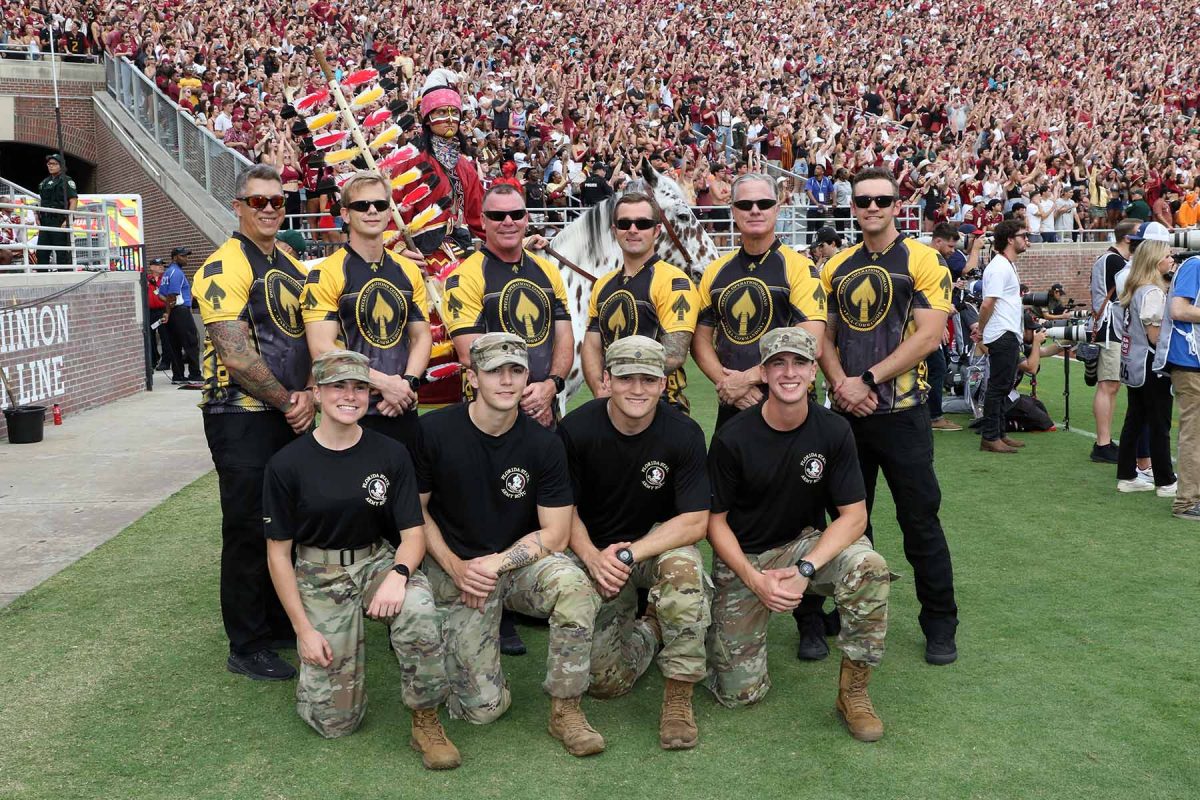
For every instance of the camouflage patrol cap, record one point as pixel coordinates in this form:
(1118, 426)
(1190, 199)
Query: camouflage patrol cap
(787, 340)
(636, 355)
(341, 365)
(494, 350)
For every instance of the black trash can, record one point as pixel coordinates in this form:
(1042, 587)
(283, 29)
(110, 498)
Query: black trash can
(25, 424)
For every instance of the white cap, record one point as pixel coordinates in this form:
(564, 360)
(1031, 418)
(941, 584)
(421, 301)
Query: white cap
(1152, 232)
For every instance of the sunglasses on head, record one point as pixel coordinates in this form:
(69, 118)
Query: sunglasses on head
(517, 214)
(881, 200)
(260, 201)
(641, 224)
(362, 206)
(761, 205)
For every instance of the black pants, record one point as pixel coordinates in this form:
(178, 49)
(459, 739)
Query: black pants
(241, 445)
(156, 337)
(54, 239)
(1003, 356)
(1149, 405)
(184, 350)
(403, 429)
(935, 363)
(901, 444)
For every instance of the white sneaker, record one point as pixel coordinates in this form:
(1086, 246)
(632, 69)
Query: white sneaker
(1167, 491)
(1145, 476)
(1135, 485)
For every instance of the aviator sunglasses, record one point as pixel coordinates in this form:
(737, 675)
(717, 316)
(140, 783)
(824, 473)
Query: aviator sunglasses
(260, 201)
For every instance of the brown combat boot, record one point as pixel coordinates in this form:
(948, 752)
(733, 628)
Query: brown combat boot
(854, 704)
(430, 740)
(677, 725)
(570, 726)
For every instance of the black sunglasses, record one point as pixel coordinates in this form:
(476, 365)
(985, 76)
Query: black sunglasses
(761, 205)
(362, 206)
(500, 216)
(260, 201)
(881, 200)
(642, 224)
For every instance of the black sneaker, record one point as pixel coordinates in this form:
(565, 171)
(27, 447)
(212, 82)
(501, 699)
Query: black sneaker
(1192, 513)
(813, 646)
(265, 665)
(1104, 453)
(940, 650)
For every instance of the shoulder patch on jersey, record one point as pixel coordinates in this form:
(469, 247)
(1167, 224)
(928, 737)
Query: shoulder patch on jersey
(680, 284)
(213, 269)
(452, 282)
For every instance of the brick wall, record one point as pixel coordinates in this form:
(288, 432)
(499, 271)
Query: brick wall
(34, 110)
(1044, 265)
(80, 350)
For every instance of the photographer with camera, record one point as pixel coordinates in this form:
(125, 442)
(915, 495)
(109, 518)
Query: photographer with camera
(999, 329)
(1142, 300)
(1107, 335)
(1179, 355)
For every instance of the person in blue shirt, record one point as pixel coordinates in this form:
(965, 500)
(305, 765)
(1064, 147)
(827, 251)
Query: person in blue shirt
(819, 189)
(177, 294)
(1178, 353)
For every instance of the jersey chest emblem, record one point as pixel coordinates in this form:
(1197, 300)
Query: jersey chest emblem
(377, 489)
(515, 482)
(813, 467)
(381, 313)
(283, 302)
(654, 474)
(618, 316)
(745, 310)
(525, 311)
(864, 297)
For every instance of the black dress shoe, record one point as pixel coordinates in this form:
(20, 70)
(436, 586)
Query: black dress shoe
(265, 665)
(941, 650)
(832, 622)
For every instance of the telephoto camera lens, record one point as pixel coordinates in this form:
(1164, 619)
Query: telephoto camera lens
(1068, 331)
(1036, 299)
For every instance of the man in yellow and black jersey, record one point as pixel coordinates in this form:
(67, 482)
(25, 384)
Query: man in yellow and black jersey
(646, 297)
(505, 289)
(256, 368)
(365, 299)
(761, 286)
(889, 298)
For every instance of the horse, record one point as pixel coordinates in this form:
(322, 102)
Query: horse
(589, 244)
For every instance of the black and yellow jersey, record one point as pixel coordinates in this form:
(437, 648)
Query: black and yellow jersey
(872, 297)
(658, 299)
(373, 302)
(743, 296)
(239, 282)
(486, 295)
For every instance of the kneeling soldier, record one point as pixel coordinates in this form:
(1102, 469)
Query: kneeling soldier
(345, 496)
(497, 501)
(774, 468)
(642, 497)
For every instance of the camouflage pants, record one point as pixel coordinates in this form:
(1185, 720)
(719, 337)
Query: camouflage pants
(623, 647)
(856, 579)
(334, 700)
(553, 588)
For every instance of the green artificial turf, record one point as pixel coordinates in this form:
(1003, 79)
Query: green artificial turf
(1077, 675)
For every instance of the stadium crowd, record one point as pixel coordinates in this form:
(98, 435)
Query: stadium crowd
(1082, 112)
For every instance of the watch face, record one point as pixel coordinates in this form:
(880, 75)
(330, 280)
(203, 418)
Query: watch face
(807, 569)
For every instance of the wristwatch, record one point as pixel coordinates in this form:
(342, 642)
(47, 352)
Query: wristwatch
(868, 379)
(402, 569)
(625, 556)
(559, 384)
(413, 381)
(806, 569)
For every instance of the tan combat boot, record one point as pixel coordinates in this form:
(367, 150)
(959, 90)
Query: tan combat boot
(854, 704)
(430, 740)
(677, 725)
(570, 726)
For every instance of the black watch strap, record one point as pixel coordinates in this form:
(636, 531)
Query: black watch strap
(401, 569)
(869, 379)
(559, 384)
(413, 381)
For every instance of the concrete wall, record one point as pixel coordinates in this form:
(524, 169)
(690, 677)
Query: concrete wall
(79, 350)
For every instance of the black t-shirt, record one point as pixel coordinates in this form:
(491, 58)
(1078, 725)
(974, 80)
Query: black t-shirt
(486, 489)
(341, 499)
(775, 483)
(625, 484)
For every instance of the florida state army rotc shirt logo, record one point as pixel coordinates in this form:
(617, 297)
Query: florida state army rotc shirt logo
(814, 467)
(654, 474)
(515, 481)
(377, 489)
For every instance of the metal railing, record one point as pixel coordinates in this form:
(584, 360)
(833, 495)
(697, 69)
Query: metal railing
(792, 226)
(201, 154)
(23, 52)
(89, 245)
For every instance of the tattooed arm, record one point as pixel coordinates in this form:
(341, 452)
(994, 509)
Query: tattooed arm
(231, 339)
(552, 537)
(677, 345)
